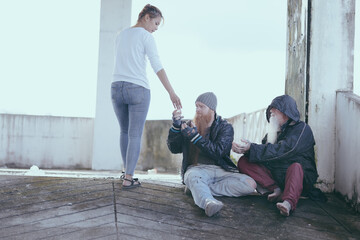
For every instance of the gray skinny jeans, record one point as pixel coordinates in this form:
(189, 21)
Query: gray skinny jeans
(131, 104)
(206, 181)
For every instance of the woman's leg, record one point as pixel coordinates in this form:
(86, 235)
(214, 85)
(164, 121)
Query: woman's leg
(122, 114)
(131, 104)
(138, 106)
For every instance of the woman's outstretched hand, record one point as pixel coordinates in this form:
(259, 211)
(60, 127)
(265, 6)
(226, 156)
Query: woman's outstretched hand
(175, 100)
(165, 81)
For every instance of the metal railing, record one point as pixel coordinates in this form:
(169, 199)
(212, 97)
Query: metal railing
(249, 126)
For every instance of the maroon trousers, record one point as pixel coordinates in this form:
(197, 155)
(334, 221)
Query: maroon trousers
(262, 175)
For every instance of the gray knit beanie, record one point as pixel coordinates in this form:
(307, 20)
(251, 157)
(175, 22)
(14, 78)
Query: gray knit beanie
(209, 99)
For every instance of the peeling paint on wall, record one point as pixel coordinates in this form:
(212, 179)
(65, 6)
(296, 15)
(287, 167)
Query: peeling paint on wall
(347, 174)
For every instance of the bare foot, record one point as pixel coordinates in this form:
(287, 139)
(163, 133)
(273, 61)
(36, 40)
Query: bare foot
(275, 196)
(284, 208)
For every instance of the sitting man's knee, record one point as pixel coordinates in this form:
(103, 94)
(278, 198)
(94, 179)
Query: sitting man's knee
(244, 186)
(251, 183)
(296, 166)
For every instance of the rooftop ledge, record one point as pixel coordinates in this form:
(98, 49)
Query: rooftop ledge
(151, 176)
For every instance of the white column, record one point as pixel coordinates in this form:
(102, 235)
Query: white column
(331, 69)
(115, 16)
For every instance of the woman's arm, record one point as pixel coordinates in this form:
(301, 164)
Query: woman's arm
(166, 83)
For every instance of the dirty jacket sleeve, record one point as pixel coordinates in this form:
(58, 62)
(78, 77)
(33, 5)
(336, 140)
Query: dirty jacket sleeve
(175, 141)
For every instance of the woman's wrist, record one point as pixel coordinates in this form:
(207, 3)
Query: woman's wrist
(171, 92)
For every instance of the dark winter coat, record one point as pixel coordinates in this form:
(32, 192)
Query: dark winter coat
(295, 144)
(217, 146)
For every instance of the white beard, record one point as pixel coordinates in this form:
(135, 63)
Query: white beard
(273, 129)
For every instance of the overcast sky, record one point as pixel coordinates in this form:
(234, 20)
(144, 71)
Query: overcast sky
(236, 49)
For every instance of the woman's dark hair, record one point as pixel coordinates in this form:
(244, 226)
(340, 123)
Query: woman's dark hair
(151, 10)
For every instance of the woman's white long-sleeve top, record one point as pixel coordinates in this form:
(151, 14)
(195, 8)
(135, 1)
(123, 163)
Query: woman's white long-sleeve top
(132, 45)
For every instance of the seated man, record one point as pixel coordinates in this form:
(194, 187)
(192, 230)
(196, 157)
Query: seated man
(207, 169)
(285, 163)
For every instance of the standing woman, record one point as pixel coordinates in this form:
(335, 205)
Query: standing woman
(130, 90)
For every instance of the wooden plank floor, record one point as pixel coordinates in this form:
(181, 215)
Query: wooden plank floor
(74, 208)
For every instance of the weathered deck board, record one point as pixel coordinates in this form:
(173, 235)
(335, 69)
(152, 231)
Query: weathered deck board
(65, 208)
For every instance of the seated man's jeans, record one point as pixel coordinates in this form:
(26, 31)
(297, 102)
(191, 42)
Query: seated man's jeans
(206, 181)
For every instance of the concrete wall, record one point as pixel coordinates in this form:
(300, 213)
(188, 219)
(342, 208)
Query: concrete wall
(347, 166)
(320, 61)
(154, 151)
(115, 16)
(330, 69)
(48, 142)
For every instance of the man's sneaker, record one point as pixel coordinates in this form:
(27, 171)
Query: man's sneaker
(284, 208)
(212, 207)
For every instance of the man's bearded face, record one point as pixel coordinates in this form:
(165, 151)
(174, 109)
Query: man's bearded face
(203, 117)
(281, 118)
(273, 129)
(277, 119)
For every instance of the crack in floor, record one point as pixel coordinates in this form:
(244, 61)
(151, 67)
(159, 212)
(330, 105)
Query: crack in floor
(115, 211)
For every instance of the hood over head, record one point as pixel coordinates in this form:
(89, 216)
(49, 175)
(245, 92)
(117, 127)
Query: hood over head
(286, 105)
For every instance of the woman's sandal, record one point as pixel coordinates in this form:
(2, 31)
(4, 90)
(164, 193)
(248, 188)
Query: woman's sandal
(134, 183)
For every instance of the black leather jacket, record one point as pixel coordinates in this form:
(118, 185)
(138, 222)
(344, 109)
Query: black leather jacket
(217, 146)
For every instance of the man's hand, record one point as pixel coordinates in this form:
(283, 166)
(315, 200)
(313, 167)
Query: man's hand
(241, 147)
(189, 132)
(177, 117)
